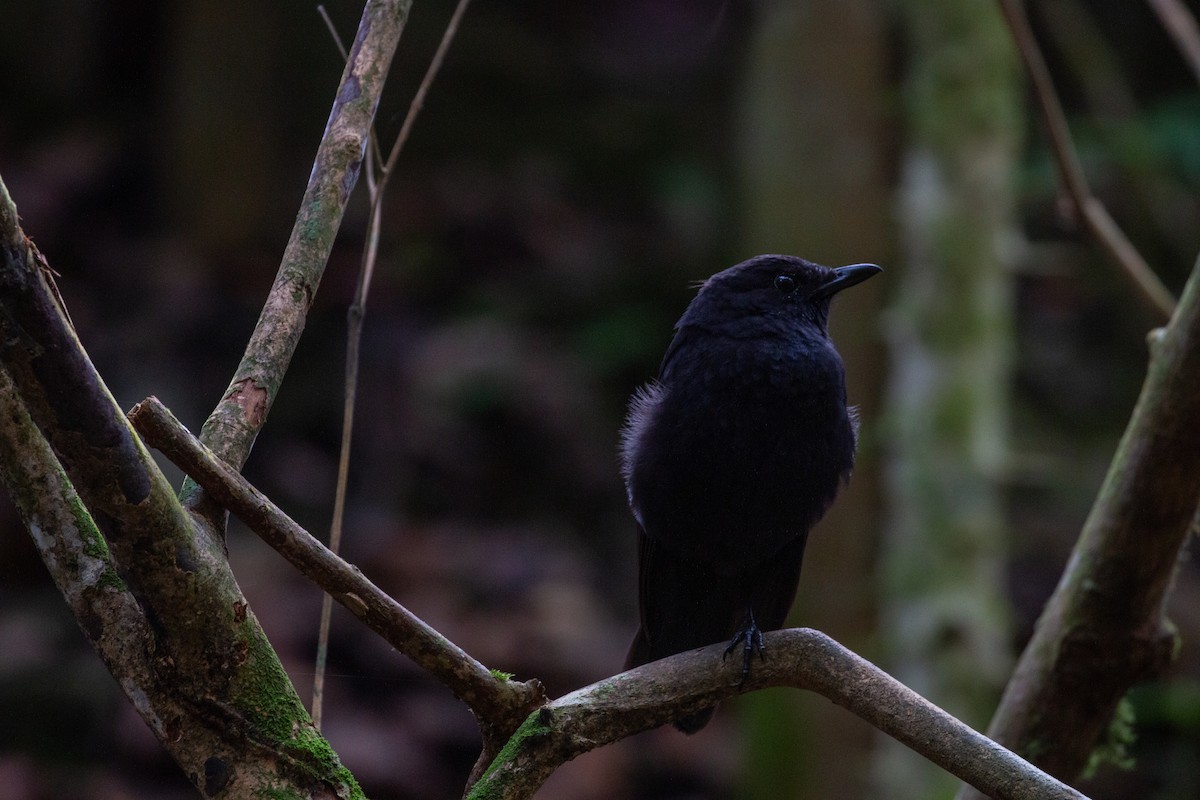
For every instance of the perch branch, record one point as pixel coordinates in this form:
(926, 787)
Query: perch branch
(499, 705)
(1100, 224)
(1103, 628)
(657, 693)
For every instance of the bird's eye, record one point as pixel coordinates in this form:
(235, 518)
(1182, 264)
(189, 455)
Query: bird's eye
(786, 284)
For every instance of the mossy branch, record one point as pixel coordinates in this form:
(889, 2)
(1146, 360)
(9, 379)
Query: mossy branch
(187, 651)
(1103, 629)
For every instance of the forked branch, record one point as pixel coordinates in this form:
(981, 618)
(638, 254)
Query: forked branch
(499, 704)
(1095, 216)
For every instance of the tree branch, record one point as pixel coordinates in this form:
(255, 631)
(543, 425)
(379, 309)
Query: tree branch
(76, 555)
(143, 523)
(1181, 25)
(1100, 224)
(1103, 628)
(498, 704)
(657, 693)
(233, 425)
(155, 594)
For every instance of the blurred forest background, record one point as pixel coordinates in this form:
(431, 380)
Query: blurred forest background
(576, 167)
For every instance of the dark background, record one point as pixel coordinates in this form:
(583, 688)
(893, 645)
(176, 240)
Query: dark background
(576, 167)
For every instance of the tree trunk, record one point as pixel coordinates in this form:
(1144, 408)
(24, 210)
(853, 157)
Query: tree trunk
(944, 618)
(816, 183)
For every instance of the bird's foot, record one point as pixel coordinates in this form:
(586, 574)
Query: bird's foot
(750, 637)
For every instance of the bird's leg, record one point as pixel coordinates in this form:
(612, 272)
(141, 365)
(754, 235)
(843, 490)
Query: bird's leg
(750, 637)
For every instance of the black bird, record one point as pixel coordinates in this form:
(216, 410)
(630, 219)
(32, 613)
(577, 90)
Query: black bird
(732, 456)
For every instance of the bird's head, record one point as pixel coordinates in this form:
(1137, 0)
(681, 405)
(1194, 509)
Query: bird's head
(780, 292)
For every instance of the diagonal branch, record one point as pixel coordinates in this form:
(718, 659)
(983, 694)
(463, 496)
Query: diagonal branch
(115, 477)
(77, 556)
(657, 693)
(1103, 629)
(499, 705)
(1180, 23)
(233, 425)
(1100, 224)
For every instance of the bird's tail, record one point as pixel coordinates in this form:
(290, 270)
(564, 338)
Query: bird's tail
(687, 604)
(684, 604)
(694, 722)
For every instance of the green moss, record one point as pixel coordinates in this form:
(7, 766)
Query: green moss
(265, 695)
(284, 793)
(93, 541)
(1118, 740)
(262, 690)
(532, 728)
(111, 580)
(278, 794)
(604, 690)
(501, 675)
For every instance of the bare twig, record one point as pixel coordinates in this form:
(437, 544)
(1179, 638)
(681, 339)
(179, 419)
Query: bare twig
(498, 704)
(1095, 216)
(1103, 628)
(1180, 23)
(317, 708)
(355, 316)
(657, 693)
(419, 98)
(333, 34)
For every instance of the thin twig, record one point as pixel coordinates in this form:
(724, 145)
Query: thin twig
(1095, 216)
(333, 34)
(419, 98)
(317, 708)
(1182, 26)
(355, 316)
(335, 527)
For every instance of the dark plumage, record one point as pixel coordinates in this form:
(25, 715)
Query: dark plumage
(733, 454)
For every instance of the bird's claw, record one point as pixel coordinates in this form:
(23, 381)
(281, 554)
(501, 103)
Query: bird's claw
(751, 639)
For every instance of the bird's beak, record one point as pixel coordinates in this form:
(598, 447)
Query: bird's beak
(844, 278)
